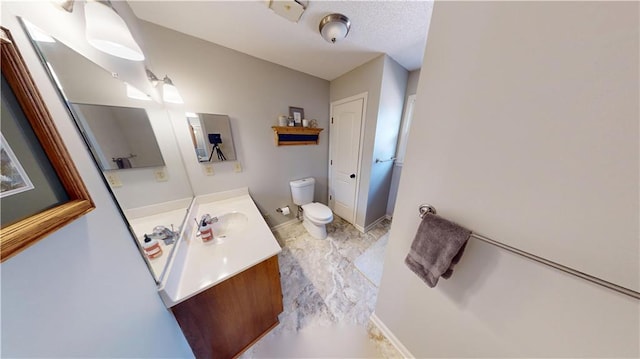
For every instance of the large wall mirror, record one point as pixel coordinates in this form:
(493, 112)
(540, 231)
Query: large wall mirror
(211, 137)
(132, 141)
(119, 137)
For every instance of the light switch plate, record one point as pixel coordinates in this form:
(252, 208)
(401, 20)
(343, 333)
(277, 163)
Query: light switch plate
(114, 180)
(237, 167)
(208, 170)
(161, 175)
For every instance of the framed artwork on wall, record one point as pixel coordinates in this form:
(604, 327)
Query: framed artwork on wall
(13, 178)
(41, 189)
(297, 113)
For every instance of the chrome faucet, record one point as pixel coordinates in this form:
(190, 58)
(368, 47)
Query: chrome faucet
(167, 235)
(207, 219)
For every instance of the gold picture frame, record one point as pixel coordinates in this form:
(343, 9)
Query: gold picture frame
(17, 236)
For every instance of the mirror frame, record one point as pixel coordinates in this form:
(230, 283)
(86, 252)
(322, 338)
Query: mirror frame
(20, 235)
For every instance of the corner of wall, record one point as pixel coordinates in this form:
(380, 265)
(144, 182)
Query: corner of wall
(393, 86)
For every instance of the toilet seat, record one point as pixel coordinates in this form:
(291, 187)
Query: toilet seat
(318, 212)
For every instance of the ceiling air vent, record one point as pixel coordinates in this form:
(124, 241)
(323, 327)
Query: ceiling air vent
(289, 9)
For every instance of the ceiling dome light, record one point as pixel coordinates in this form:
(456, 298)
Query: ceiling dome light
(334, 27)
(107, 32)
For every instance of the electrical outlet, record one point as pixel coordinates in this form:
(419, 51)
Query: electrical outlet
(208, 170)
(161, 175)
(114, 180)
(237, 167)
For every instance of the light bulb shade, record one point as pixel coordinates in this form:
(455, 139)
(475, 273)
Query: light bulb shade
(107, 32)
(136, 94)
(170, 93)
(334, 27)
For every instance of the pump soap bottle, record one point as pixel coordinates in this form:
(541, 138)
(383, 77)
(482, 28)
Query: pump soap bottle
(206, 229)
(151, 247)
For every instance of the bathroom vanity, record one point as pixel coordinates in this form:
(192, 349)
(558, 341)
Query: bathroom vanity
(225, 293)
(223, 321)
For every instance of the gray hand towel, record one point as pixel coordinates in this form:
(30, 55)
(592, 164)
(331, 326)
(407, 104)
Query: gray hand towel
(437, 247)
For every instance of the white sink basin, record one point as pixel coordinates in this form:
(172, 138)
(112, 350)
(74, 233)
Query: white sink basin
(242, 239)
(230, 223)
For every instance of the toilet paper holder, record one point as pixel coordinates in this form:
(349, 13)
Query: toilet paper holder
(284, 210)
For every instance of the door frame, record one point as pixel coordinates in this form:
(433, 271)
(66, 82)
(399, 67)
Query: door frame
(362, 96)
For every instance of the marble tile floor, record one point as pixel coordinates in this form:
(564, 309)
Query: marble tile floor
(327, 300)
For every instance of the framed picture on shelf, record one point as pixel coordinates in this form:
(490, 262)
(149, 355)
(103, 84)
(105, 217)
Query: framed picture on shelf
(297, 113)
(40, 188)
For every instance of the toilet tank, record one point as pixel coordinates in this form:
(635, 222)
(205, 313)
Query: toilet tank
(302, 190)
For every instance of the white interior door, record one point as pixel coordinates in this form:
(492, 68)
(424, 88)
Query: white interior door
(346, 120)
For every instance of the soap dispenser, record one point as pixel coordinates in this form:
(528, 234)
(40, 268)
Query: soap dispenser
(206, 229)
(151, 247)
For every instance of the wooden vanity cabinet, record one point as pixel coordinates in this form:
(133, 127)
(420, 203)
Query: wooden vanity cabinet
(226, 319)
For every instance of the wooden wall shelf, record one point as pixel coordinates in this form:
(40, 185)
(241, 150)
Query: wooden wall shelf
(292, 136)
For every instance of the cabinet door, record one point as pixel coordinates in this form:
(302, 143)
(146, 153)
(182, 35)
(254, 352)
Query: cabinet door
(224, 320)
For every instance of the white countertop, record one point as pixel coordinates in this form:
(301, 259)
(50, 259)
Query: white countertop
(198, 266)
(144, 219)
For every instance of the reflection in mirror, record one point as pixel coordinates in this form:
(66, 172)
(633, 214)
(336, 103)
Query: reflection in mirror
(119, 137)
(122, 132)
(211, 137)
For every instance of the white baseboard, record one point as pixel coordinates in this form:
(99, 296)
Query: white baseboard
(287, 223)
(368, 228)
(392, 338)
(388, 216)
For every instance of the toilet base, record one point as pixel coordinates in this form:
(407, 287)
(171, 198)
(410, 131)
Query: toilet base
(316, 231)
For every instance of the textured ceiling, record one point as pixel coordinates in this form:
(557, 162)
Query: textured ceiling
(397, 28)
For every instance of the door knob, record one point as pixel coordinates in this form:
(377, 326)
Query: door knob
(353, 175)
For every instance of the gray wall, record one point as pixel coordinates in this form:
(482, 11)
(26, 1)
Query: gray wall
(412, 87)
(365, 78)
(83, 291)
(384, 81)
(214, 79)
(412, 84)
(394, 83)
(492, 76)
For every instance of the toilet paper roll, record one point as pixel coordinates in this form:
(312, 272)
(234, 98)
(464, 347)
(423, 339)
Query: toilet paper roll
(284, 210)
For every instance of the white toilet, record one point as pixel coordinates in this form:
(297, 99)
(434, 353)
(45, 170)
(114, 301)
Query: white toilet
(315, 215)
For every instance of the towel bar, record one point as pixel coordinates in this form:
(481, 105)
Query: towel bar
(425, 209)
(387, 160)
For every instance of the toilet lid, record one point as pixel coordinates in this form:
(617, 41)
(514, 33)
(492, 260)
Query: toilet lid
(318, 211)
